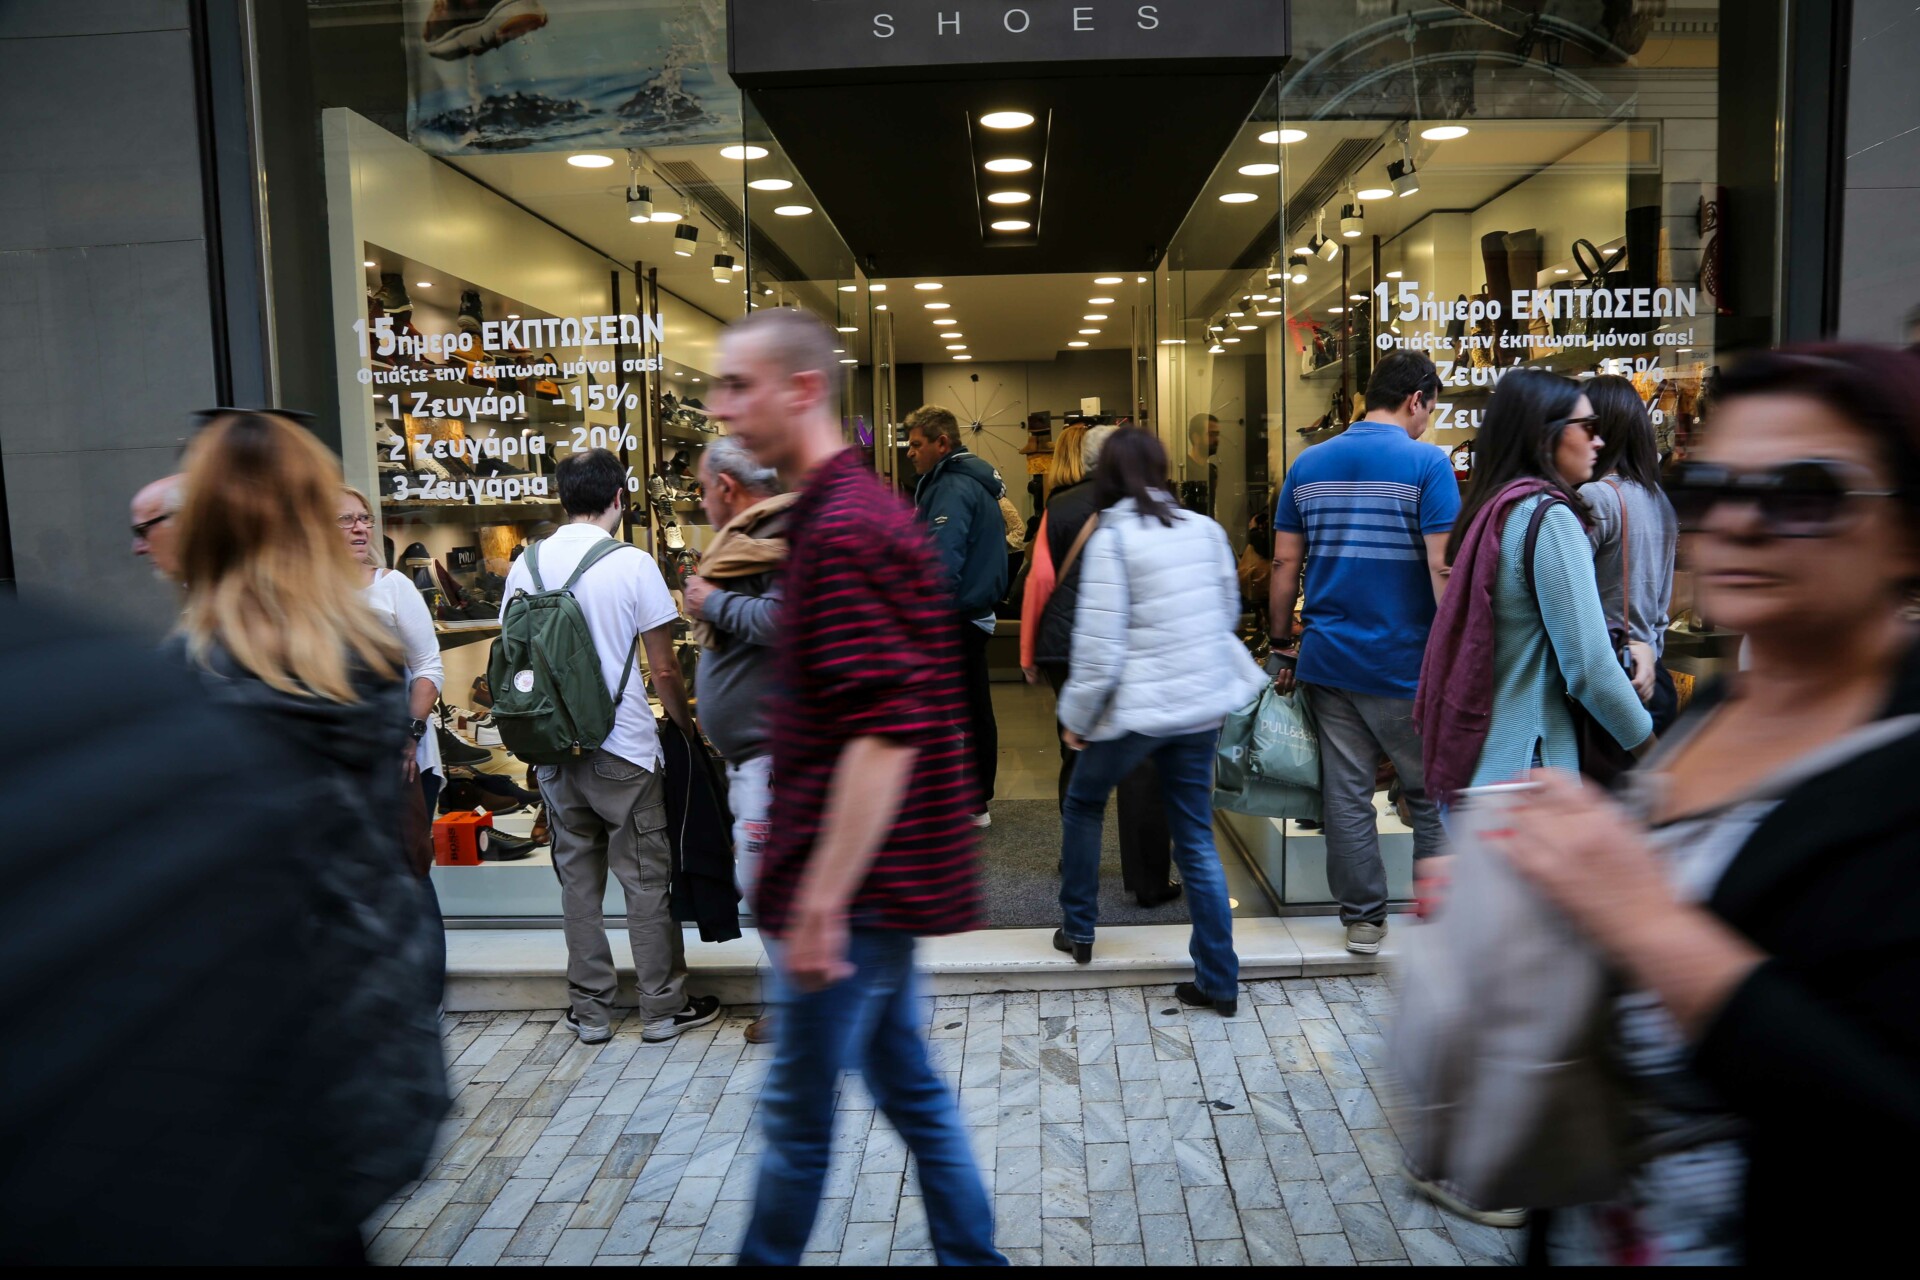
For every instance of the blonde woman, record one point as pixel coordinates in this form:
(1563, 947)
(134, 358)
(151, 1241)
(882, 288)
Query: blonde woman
(277, 628)
(398, 604)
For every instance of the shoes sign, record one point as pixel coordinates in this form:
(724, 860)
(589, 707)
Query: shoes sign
(797, 41)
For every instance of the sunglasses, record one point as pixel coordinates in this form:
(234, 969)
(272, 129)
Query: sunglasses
(1803, 499)
(1587, 423)
(146, 527)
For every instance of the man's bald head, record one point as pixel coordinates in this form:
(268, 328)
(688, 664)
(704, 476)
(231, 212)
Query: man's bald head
(156, 533)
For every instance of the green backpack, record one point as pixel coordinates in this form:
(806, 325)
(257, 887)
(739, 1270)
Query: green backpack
(549, 698)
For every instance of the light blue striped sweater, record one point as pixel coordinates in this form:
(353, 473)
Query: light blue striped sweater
(1529, 688)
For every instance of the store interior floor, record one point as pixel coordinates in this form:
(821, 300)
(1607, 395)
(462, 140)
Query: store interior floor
(1020, 851)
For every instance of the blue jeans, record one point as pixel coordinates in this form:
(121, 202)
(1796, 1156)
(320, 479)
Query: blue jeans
(1186, 776)
(868, 1022)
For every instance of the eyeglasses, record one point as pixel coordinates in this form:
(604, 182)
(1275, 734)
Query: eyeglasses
(1586, 423)
(354, 521)
(1802, 499)
(141, 530)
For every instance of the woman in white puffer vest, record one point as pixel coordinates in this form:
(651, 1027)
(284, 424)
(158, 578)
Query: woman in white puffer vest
(1155, 670)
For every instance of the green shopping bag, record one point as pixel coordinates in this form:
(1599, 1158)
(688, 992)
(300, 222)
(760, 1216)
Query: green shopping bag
(1268, 761)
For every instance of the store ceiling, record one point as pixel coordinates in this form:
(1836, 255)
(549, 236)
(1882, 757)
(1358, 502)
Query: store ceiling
(893, 166)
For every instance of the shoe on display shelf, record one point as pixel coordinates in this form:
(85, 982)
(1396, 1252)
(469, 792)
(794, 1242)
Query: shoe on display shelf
(455, 752)
(504, 787)
(699, 1012)
(470, 318)
(391, 297)
(463, 795)
(486, 733)
(457, 29)
(416, 557)
(501, 847)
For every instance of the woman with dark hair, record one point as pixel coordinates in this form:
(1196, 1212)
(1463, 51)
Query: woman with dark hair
(1520, 629)
(1154, 669)
(1633, 535)
(1757, 892)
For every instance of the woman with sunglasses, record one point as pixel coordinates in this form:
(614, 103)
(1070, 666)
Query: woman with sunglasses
(1757, 892)
(1634, 537)
(1543, 621)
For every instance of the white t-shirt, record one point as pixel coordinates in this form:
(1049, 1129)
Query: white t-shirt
(396, 601)
(621, 596)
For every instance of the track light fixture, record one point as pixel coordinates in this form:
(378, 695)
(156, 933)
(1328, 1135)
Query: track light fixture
(1353, 215)
(1329, 249)
(723, 268)
(1298, 263)
(686, 238)
(1406, 181)
(639, 204)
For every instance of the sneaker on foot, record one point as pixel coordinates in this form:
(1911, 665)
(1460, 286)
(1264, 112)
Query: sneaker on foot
(1448, 1197)
(588, 1032)
(983, 819)
(699, 1012)
(1364, 939)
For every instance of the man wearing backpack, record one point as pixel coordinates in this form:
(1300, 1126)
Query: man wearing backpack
(604, 790)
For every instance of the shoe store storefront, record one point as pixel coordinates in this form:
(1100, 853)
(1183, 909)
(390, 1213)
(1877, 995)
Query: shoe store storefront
(504, 230)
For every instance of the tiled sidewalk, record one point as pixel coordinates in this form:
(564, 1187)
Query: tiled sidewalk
(1115, 1127)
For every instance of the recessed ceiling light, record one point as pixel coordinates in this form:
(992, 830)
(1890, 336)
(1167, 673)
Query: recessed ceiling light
(1262, 170)
(1108, 280)
(946, 320)
(1093, 315)
(928, 286)
(1076, 344)
(514, 316)
(771, 184)
(1393, 275)
(423, 284)
(367, 263)
(939, 306)
(958, 347)
(1444, 132)
(588, 160)
(1374, 193)
(1008, 165)
(1336, 310)
(839, 351)
(1099, 302)
(1238, 197)
(1356, 297)
(1246, 328)
(1215, 349)
(1009, 197)
(1173, 342)
(1005, 120)
(1559, 271)
(1012, 224)
(666, 215)
(953, 337)
(793, 210)
(849, 360)
(744, 153)
(1235, 315)
(696, 377)
(1267, 314)
(849, 288)
(1229, 339)
(963, 357)
(876, 288)
(1281, 137)
(847, 328)
(881, 307)
(1089, 331)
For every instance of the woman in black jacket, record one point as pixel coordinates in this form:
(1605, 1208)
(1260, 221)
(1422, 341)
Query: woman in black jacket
(1760, 892)
(276, 628)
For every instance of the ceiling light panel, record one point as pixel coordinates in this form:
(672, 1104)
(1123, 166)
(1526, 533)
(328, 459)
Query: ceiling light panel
(1283, 137)
(748, 152)
(771, 184)
(1006, 141)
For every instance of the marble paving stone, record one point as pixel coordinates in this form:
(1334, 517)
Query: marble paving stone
(1156, 1188)
(1143, 1099)
(1137, 1062)
(1291, 1157)
(1221, 1253)
(1119, 1255)
(1211, 1211)
(576, 1248)
(1309, 1209)
(1269, 1237)
(481, 1248)
(1308, 1091)
(1326, 1132)
(1274, 1112)
(1104, 1122)
(1066, 1242)
(1016, 1222)
(391, 1246)
(1430, 1249)
(425, 1204)
(632, 1228)
(1347, 1179)
(1171, 1044)
(1100, 1082)
(449, 1228)
(599, 1136)
(1370, 1233)
(602, 1203)
(1109, 1167)
(1168, 1240)
(628, 1155)
(671, 1247)
(1017, 1172)
(876, 1197)
(1239, 1137)
(725, 1229)
(830, 1224)
(1481, 1245)
(1254, 1186)
(1181, 1079)
(1380, 1149)
(537, 1235)
(510, 1206)
(1199, 1164)
(1353, 1020)
(1406, 1207)
(1325, 1251)
(1292, 1053)
(658, 1177)
(570, 1182)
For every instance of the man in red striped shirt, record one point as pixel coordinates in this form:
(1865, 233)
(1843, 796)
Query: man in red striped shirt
(871, 844)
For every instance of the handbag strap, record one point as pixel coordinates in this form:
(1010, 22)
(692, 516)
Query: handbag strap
(1626, 553)
(1073, 552)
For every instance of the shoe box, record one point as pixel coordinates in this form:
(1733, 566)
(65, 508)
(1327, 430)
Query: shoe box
(459, 838)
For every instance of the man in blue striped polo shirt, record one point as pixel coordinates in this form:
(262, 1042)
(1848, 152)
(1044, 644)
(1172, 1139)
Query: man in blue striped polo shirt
(1368, 514)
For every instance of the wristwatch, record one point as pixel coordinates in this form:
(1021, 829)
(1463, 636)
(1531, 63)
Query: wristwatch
(416, 729)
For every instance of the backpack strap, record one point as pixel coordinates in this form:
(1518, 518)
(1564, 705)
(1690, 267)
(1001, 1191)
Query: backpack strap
(533, 565)
(1079, 542)
(595, 554)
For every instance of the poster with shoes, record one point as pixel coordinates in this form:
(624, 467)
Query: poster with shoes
(485, 76)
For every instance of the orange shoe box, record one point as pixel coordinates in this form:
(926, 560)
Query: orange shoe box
(457, 840)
